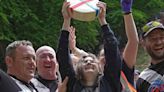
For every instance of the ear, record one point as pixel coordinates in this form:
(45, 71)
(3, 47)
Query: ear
(8, 61)
(142, 42)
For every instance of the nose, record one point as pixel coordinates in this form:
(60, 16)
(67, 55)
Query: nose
(88, 61)
(32, 61)
(48, 59)
(160, 41)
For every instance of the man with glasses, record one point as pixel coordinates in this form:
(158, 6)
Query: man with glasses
(152, 78)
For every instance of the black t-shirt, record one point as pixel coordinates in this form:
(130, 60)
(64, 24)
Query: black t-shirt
(51, 84)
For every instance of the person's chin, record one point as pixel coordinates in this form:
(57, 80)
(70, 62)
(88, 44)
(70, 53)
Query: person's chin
(31, 74)
(159, 53)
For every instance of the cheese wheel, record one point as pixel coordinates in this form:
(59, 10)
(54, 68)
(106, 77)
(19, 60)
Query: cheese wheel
(84, 10)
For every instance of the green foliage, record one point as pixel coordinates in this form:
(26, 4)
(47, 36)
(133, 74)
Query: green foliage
(34, 20)
(142, 59)
(86, 35)
(40, 21)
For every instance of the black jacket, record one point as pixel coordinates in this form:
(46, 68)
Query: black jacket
(110, 81)
(7, 84)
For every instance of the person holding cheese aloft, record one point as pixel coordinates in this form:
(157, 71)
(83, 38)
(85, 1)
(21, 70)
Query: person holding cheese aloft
(88, 77)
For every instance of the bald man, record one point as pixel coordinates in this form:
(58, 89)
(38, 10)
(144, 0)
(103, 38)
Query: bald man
(47, 70)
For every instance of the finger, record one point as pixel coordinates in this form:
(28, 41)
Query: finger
(65, 81)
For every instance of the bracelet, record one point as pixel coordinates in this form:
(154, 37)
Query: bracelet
(127, 13)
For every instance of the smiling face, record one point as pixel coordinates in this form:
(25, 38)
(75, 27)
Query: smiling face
(23, 64)
(46, 63)
(88, 67)
(154, 44)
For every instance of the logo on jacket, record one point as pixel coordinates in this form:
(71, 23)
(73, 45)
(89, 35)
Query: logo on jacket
(156, 86)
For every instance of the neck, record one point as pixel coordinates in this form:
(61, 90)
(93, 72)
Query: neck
(19, 78)
(153, 61)
(49, 77)
(89, 81)
(14, 73)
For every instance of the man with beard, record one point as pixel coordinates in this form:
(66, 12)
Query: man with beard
(152, 78)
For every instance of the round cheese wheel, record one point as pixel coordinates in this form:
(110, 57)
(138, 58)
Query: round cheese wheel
(84, 10)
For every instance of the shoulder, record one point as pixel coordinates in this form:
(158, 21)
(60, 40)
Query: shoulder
(39, 86)
(149, 79)
(9, 85)
(150, 75)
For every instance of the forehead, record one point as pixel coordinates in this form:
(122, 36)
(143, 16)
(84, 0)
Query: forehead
(45, 50)
(156, 32)
(25, 49)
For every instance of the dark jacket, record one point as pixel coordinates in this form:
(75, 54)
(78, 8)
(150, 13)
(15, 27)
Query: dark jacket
(151, 79)
(110, 81)
(7, 84)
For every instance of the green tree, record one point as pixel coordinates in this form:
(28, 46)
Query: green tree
(40, 21)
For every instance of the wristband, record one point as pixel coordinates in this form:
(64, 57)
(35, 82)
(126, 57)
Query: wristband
(127, 13)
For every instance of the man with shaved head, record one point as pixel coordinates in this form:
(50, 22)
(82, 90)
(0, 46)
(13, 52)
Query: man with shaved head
(47, 67)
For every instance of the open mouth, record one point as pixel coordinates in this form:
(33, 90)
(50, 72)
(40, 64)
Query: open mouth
(159, 49)
(47, 66)
(89, 67)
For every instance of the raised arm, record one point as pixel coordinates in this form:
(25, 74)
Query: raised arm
(132, 44)
(63, 53)
(112, 67)
(131, 48)
(72, 44)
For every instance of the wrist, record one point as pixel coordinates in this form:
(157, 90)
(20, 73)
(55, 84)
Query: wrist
(127, 13)
(102, 21)
(66, 24)
(67, 20)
